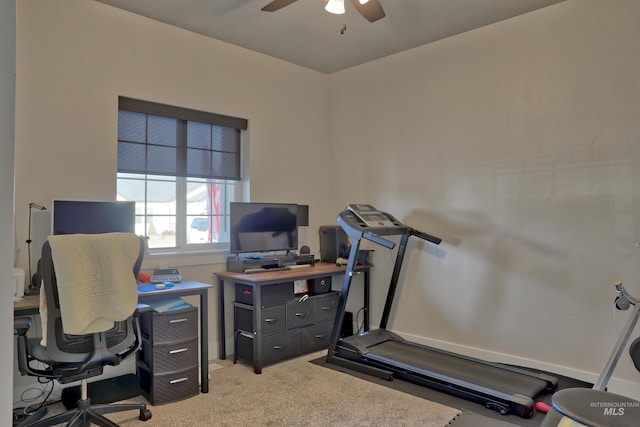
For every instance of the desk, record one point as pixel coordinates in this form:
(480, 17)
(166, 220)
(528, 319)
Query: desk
(318, 270)
(30, 305)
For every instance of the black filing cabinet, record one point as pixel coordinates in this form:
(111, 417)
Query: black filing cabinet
(272, 324)
(167, 364)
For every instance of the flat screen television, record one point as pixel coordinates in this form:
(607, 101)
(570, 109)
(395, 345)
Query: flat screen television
(92, 217)
(263, 227)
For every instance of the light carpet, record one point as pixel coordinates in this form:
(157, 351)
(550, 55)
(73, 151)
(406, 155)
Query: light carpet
(292, 393)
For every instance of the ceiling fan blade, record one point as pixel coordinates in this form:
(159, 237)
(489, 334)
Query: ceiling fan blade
(372, 10)
(277, 5)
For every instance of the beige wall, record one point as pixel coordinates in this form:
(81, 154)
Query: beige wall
(519, 145)
(516, 143)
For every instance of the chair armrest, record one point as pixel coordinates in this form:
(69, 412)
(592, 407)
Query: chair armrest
(21, 326)
(138, 334)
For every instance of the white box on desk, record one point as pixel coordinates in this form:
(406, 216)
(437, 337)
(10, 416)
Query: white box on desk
(18, 284)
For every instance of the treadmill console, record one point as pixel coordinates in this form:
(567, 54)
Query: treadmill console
(371, 217)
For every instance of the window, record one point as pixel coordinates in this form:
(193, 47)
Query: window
(182, 168)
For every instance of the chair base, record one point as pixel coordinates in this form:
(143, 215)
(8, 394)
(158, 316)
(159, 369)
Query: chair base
(86, 414)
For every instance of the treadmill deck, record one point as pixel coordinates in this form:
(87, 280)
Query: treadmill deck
(416, 358)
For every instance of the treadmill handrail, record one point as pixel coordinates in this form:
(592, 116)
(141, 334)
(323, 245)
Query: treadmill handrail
(379, 240)
(425, 236)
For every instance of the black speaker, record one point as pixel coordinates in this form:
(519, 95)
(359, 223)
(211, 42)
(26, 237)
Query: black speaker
(333, 243)
(302, 217)
(320, 285)
(347, 325)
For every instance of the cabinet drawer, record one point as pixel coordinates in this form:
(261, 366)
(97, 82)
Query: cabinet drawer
(272, 318)
(325, 306)
(169, 357)
(269, 294)
(169, 387)
(281, 346)
(300, 313)
(170, 326)
(275, 347)
(316, 337)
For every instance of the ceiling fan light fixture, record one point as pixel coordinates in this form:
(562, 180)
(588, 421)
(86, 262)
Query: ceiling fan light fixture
(335, 7)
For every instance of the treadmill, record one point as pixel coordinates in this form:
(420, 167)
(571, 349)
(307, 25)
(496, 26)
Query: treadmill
(386, 355)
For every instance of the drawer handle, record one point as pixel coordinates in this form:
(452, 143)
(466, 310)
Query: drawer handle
(178, 320)
(321, 336)
(279, 347)
(301, 315)
(327, 308)
(179, 350)
(271, 320)
(179, 380)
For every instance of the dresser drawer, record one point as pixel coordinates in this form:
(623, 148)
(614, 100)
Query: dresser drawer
(326, 306)
(169, 387)
(275, 347)
(300, 313)
(281, 346)
(316, 337)
(269, 294)
(169, 357)
(170, 326)
(273, 318)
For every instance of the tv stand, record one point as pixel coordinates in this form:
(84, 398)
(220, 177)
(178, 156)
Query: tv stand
(253, 264)
(256, 293)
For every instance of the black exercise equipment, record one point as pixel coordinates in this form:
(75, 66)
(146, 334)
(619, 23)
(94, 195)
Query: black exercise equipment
(596, 407)
(386, 355)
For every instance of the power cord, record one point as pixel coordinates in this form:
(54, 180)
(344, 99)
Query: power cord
(360, 324)
(22, 413)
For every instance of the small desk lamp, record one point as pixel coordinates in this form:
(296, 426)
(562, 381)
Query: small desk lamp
(33, 287)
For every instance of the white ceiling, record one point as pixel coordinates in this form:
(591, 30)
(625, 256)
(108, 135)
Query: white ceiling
(305, 34)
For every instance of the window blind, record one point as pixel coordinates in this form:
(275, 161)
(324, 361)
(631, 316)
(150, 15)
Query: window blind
(160, 139)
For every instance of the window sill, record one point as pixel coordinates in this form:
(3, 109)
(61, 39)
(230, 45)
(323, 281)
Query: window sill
(184, 259)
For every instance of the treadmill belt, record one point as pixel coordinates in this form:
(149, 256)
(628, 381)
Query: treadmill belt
(422, 360)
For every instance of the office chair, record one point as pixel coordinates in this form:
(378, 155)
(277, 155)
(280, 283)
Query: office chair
(67, 358)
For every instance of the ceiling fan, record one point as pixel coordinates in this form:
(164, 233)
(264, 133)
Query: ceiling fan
(371, 10)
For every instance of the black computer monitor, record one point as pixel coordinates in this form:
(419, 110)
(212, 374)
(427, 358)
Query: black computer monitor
(263, 227)
(92, 217)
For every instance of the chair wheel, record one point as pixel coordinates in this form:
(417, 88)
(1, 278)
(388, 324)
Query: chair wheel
(145, 415)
